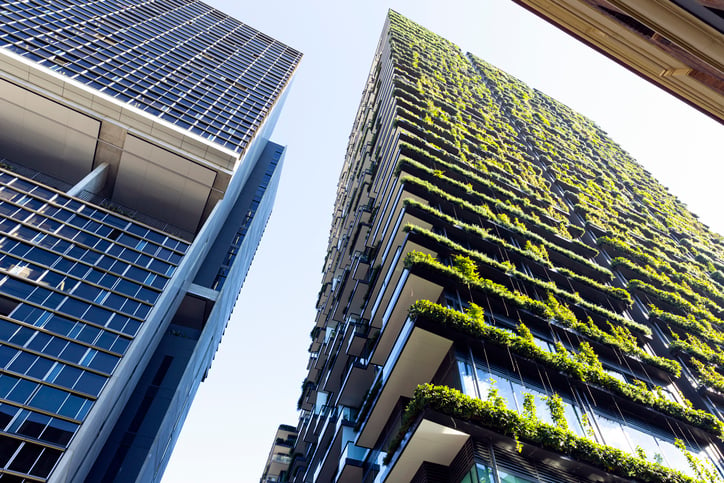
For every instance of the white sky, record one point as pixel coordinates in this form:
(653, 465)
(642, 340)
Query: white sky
(255, 381)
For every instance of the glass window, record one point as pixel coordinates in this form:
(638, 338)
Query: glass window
(26, 457)
(33, 424)
(45, 462)
(6, 354)
(59, 431)
(506, 477)
(67, 376)
(22, 390)
(7, 413)
(90, 383)
(8, 447)
(104, 362)
(49, 399)
(22, 362)
(40, 368)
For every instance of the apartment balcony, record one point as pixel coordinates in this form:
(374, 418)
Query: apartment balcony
(278, 463)
(392, 234)
(414, 359)
(357, 380)
(394, 301)
(428, 441)
(360, 330)
(334, 439)
(350, 464)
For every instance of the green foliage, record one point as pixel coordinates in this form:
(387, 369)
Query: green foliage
(466, 267)
(709, 376)
(583, 365)
(525, 428)
(552, 309)
(558, 412)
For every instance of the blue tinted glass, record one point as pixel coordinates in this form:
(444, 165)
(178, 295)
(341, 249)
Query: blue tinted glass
(40, 368)
(48, 399)
(7, 329)
(104, 362)
(68, 376)
(90, 383)
(59, 325)
(6, 384)
(6, 353)
(71, 406)
(22, 335)
(59, 431)
(73, 352)
(21, 391)
(22, 362)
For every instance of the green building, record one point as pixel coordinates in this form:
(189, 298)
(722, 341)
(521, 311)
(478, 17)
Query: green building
(507, 295)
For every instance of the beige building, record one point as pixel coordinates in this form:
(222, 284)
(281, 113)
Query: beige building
(677, 45)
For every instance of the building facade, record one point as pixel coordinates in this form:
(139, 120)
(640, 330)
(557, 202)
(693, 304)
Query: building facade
(507, 295)
(678, 45)
(137, 179)
(277, 463)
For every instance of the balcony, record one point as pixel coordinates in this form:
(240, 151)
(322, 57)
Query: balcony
(350, 464)
(359, 377)
(360, 330)
(397, 300)
(429, 442)
(414, 360)
(333, 441)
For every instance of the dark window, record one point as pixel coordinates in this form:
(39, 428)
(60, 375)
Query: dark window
(33, 425)
(25, 459)
(8, 446)
(59, 431)
(46, 462)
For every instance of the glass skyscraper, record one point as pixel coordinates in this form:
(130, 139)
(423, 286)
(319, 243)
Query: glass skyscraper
(136, 179)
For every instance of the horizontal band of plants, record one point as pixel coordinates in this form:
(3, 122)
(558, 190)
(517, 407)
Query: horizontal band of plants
(676, 271)
(608, 145)
(422, 88)
(542, 206)
(619, 336)
(455, 141)
(713, 249)
(442, 106)
(460, 148)
(649, 235)
(537, 194)
(713, 300)
(709, 376)
(527, 428)
(672, 299)
(583, 365)
(458, 122)
(502, 219)
(695, 347)
(702, 327)
(531, 215)
(536, 256)
(493, 123)
(476, 104)
(510, 269)
(408, 32)
(515, 298)
(523, 185)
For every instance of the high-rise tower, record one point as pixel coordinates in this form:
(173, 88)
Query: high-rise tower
(507, 295)
(137, 178)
